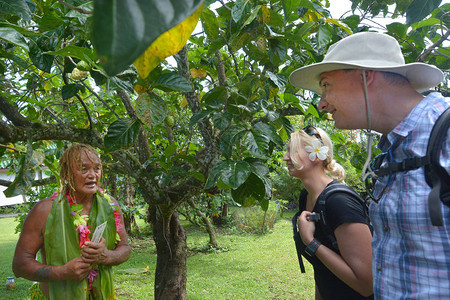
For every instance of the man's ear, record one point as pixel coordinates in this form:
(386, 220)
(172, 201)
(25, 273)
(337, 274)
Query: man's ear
(370, 76)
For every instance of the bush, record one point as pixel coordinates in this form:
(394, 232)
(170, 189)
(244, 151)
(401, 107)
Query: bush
(254, 219)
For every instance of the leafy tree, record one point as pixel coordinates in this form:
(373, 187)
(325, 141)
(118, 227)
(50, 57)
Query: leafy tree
(95, 73)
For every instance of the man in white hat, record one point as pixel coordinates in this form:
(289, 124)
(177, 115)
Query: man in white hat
(365, 84)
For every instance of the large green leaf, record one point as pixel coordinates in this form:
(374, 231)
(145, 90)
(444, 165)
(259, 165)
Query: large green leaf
(257, 143)
(229, 138)
(173, 82)
(22, 180)
(271, 133)
(12, 36)
(70, 90)
(251, 190)
(122, 134)
(16, 7)
(419, 9)
(158, 109)
(125, 29)
(210, 24)
(216, 172)
(237, 174)
(75, 51)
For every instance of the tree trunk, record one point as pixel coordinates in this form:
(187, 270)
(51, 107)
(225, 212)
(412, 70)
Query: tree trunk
(171, 249)
(208, 225)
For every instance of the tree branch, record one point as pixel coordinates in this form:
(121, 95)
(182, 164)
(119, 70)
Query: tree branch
(430, 49)
(144, 151)
(38, 182)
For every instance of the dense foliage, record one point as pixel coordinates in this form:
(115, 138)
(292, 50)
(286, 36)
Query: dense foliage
(207, 121)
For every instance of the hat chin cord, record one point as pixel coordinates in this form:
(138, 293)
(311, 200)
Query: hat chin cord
(366, 171)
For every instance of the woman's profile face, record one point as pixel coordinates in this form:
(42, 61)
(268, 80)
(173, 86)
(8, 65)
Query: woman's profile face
(302, 157)
(86, 174)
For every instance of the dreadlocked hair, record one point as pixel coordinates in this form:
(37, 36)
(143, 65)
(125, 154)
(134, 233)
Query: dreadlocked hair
(72, 158)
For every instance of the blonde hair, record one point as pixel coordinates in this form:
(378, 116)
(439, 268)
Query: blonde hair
(70, 156)
(302, 139)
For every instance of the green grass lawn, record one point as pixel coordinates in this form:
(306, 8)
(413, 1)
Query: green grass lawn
(249, 267)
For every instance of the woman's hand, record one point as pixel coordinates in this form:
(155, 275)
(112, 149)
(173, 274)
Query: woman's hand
(94, 253)
(306, 227)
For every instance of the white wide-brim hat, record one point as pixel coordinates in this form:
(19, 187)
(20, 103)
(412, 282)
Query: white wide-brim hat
(368, 51)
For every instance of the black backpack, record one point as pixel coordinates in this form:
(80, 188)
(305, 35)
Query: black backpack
(334, 187)
(435, 175)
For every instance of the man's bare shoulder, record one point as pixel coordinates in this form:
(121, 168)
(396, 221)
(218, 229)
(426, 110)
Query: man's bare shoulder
(42, 208)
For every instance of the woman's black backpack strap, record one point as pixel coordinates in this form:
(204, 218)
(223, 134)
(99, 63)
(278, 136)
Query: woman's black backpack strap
(336, 187)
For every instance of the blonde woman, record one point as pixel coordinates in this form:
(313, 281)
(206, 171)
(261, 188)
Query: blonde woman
(342, 271)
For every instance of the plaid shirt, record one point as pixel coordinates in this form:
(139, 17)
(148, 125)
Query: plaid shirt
(411, 258)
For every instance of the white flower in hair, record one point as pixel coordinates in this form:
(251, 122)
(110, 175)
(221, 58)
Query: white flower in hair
(317, 151)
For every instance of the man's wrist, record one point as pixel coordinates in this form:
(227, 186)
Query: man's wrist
(312, 247)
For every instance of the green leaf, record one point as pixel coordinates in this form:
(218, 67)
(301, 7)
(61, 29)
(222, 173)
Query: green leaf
(158, 110)
(198, 116)
(41, 60)
(122, 134)
(217, 171)
(271, 133)
(420, 9)
(143, 109)
(257, 143)
(253, 15)
(50, 21)
(12, 36)
(252, 189)
(125, 29)
(222, 119)
(277, 51)
(237, 174)
(22, 180)
(75, 51)
(312, 110)
(173, 82)
(215, 98)
(70, 90)
(230, 137)
(324, 36)
(239, 10)
(16, 7)
(210, 24)
(398, 29)
(280, 80)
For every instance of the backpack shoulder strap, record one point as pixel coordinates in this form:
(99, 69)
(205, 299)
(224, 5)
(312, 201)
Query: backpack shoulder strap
(435, 175)
(331, 189)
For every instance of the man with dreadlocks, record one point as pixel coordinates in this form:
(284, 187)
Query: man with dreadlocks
(73, 266)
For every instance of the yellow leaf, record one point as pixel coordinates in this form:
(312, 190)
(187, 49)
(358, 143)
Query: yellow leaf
(184, 102)
(273, 92)
(265, 14)
(167, 44)
(312, 16)
(198, 73)
(47, 86)
(342, 25)
(139, 89)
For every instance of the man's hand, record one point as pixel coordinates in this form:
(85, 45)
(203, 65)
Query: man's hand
(94, 253)
(77, 269)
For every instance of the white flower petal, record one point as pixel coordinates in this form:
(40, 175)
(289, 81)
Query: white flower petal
(312, 156)
(309, 149)
(315, 143)
(323, 149)
(321, 156)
